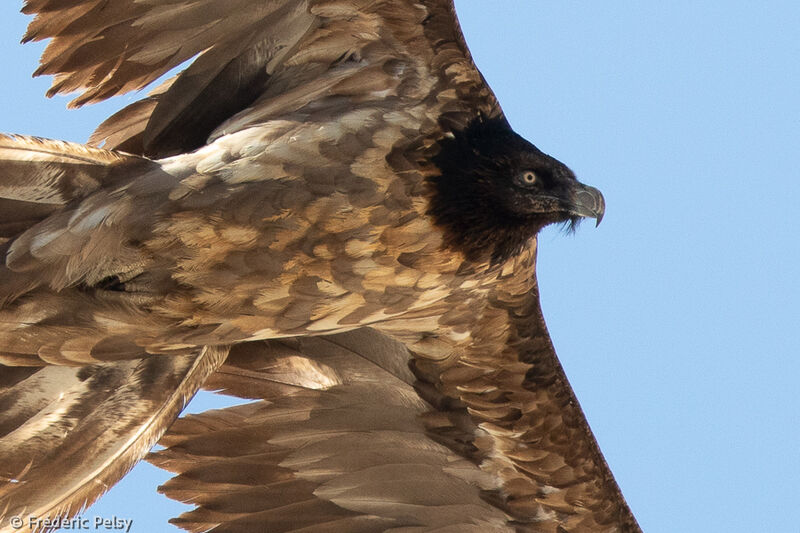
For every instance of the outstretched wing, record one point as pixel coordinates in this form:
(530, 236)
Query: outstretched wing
(67, 434)
(264, 58)
(346, 438)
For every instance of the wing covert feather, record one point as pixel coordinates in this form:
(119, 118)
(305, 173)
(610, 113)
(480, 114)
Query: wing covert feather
(505, 401)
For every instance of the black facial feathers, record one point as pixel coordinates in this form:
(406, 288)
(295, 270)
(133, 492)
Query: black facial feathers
(496, 190)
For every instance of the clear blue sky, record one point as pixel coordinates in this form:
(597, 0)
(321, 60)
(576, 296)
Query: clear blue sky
(677, 319)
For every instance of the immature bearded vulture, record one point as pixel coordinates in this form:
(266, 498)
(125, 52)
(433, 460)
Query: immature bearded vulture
(326, 211)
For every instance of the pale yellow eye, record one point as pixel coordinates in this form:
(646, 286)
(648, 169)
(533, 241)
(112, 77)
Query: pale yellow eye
(528, 177)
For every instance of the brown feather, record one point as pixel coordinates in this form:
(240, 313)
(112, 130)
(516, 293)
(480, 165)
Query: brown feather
(352, 446)
(68, 434)
(54, 172)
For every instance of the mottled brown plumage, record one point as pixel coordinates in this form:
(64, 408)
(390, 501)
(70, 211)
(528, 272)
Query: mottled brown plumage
(330, 191)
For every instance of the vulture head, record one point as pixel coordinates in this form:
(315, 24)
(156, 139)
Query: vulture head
(494, 191)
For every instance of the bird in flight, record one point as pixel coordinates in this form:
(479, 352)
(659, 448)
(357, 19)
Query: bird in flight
(325, 212)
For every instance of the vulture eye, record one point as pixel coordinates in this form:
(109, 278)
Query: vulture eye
(528, 178)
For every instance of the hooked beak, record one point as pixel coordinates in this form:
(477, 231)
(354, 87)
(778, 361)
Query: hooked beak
(587, 201)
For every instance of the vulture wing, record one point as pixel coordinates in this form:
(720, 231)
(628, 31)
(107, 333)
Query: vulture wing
(346, 437)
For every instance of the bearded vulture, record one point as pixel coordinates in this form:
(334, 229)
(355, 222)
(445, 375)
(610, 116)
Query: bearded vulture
(325, 212)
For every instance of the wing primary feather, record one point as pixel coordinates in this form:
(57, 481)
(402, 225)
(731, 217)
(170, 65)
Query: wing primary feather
(350, 451)
(69, 433)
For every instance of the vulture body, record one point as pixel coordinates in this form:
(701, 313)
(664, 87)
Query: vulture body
(326, 212)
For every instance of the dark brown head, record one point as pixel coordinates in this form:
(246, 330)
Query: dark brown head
(496, 191)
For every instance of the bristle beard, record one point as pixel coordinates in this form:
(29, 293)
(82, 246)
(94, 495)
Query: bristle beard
(570, 226)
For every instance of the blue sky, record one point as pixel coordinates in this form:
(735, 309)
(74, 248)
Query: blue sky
(677, 319)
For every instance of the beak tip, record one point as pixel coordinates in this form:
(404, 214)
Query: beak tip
(600, 214)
